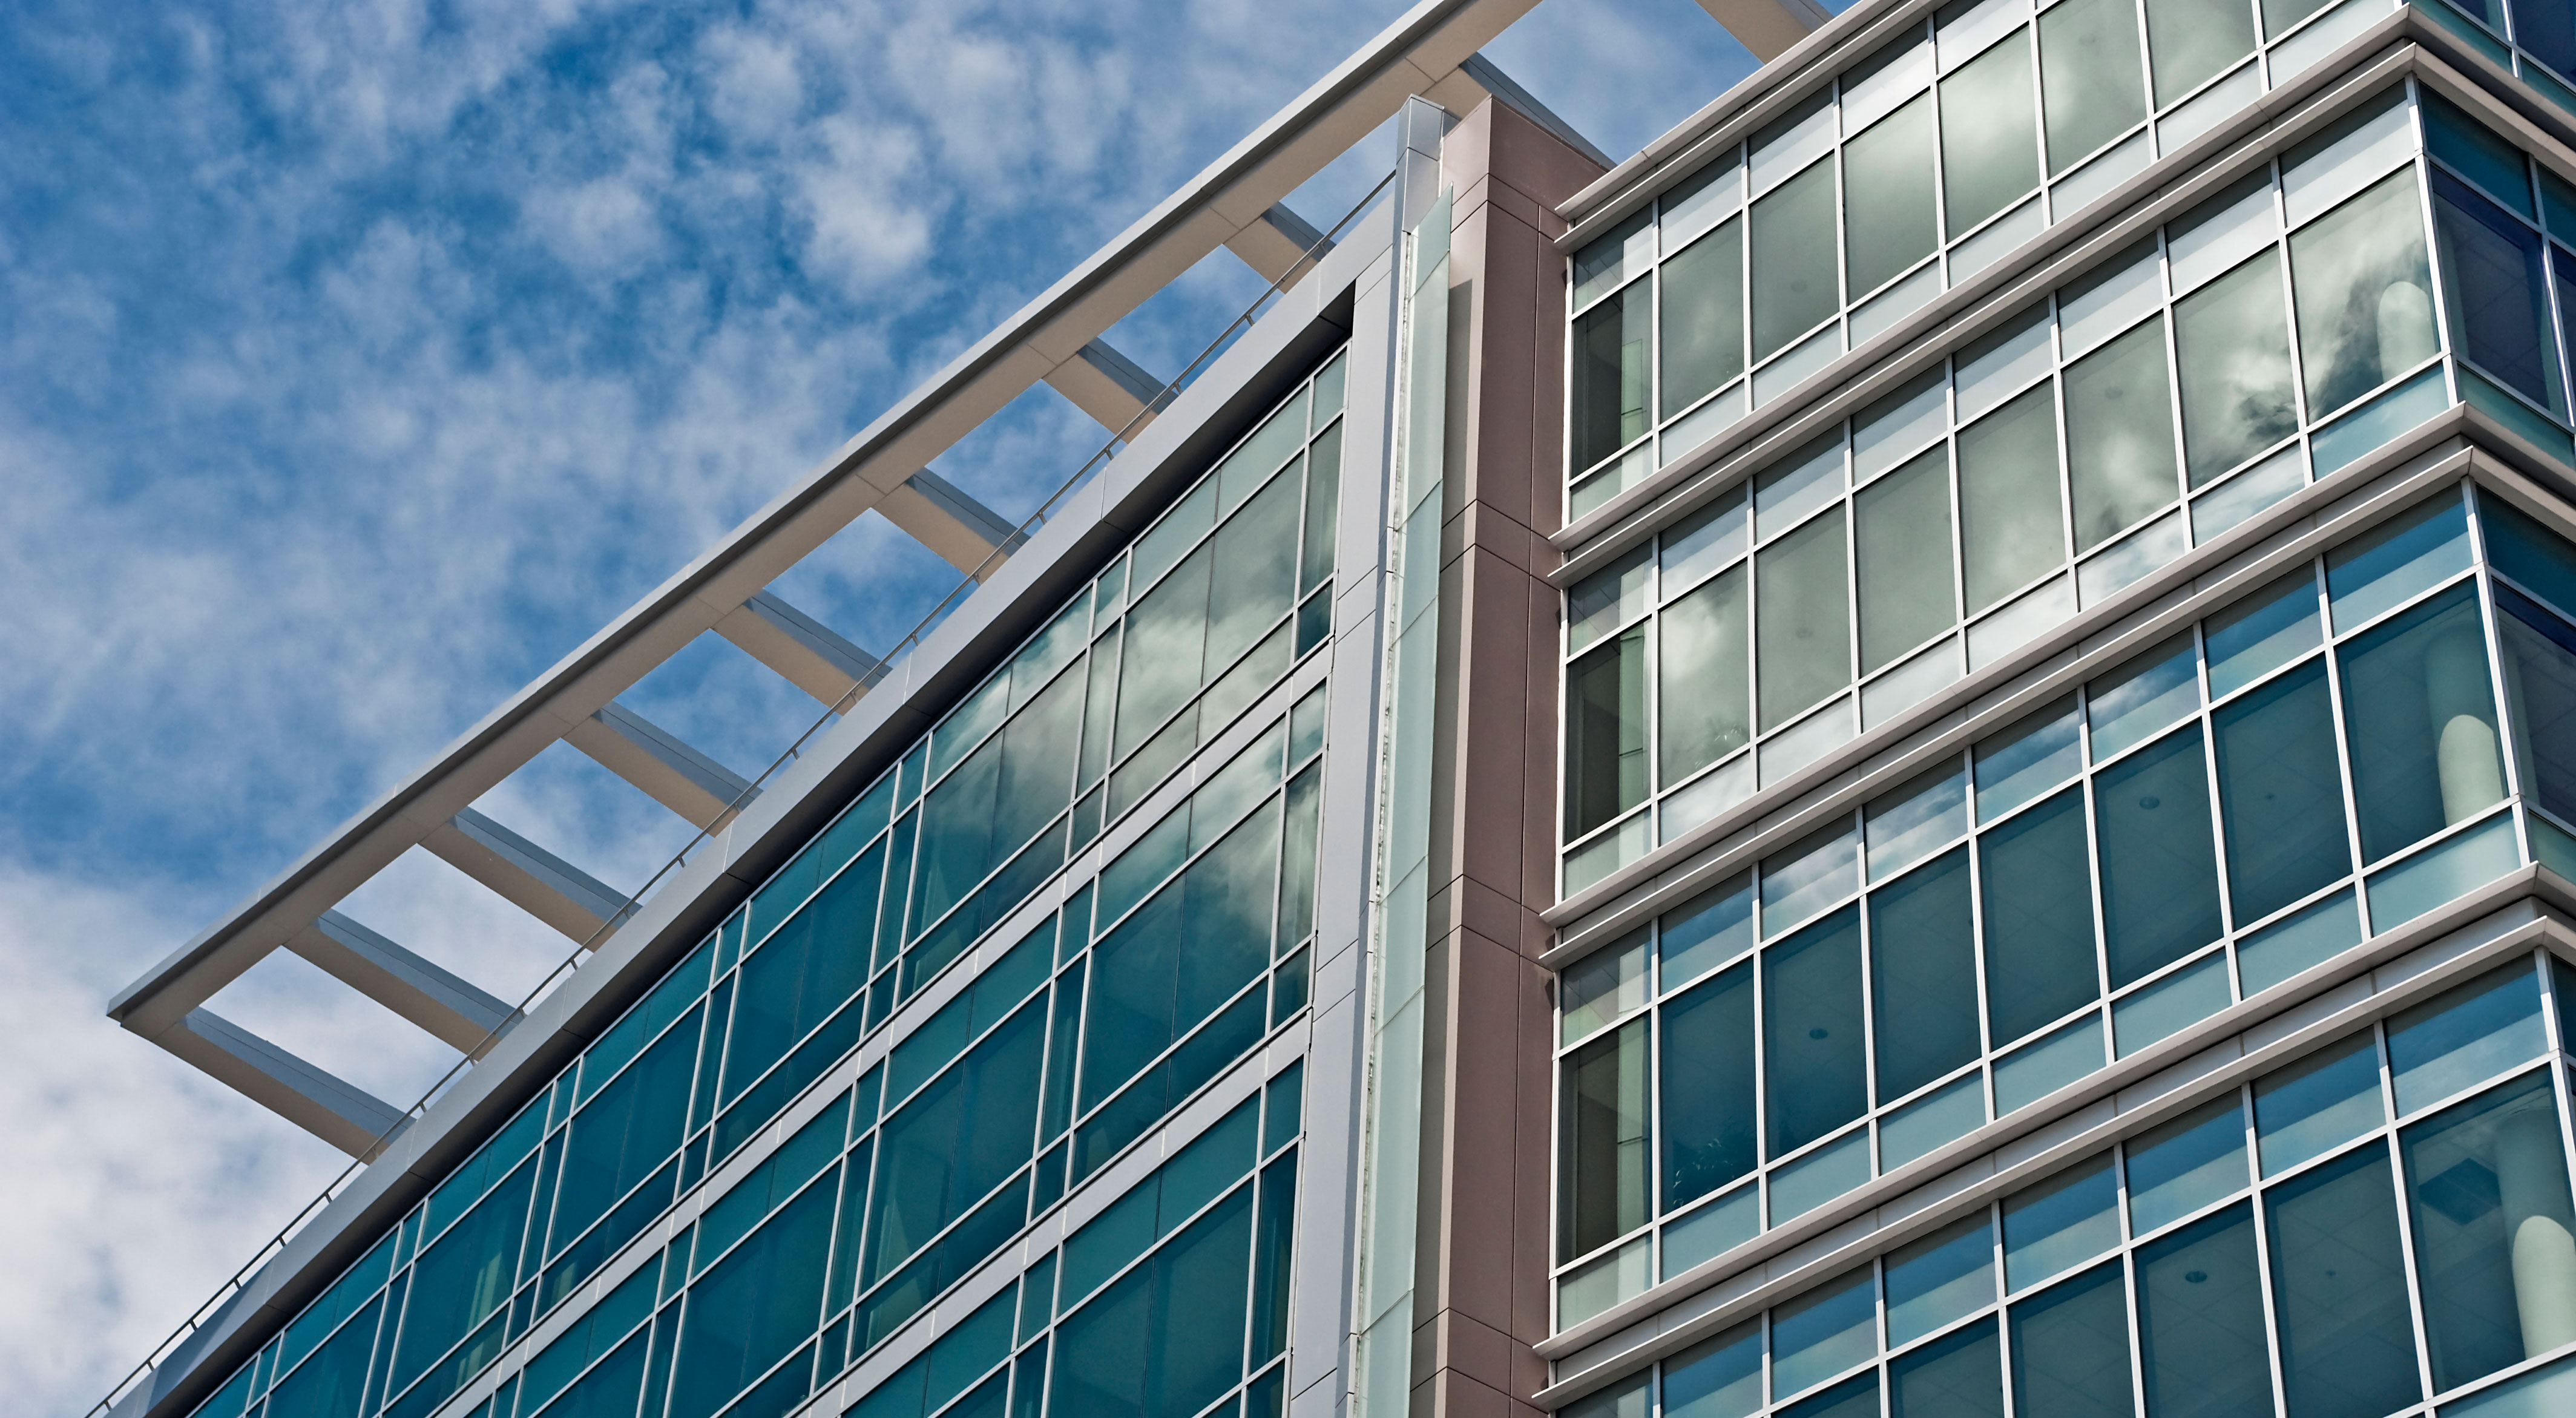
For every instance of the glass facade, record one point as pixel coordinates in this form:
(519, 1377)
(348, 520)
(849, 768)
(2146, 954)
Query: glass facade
(2382, 1222)
(1058, 1047)
(2280, 330)
(1919, 166)
(2318, 762)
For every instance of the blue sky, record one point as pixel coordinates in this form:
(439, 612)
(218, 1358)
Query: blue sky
(358, 360)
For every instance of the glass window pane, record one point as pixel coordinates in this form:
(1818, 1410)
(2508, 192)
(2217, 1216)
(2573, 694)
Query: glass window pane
(1959, 1377)
(2232, 339)
(1608, 404)
(1703, 672)
(2061, 1223)
(1707, 1084)
(2546, 30)
(1605, 732)
(1855, 1397)
(2494, 291)
(2192, 41)
(1887, 194)
(1989, 137)
(2364, 293)
(1602, 1179)
(2263, 632)
(1815, 1070)
(2495, 1237)
(2422, 721)
(2159, 867)
(1917, 819)
(1601, 602)
(1808, 875)
(1923, 976)
(2477, 154)
(2532, 554)
(1794, 280)
(1824, 1332)
(2282, 791)
(2465, 1035)
(1940, 1278)
(1802, 619)
(2129, 705)
(2200, 1320)
(1901, 534)
(1613, 257)
(2027, 759)
(2089, 76)
(2411, 553)
(2339, 1291)
(2011, 513)
(2186, 1164)
(1703, 295)
(1720, 1377)
(1602, 986)
(2119, 435)
(2540, 684)
(1166, 1338)
(1704, 541)
(2070, 1349)
(1705, 932)
(2039, 918)
(1798, 484)
(1631, 1397)
(2318, 1104)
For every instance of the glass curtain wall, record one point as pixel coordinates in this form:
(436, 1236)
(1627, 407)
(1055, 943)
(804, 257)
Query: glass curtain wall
(1919, 166)
(2287, 326)
(2382, 1222)
(2535, 39)
(1068, 1046)
(2322, 761)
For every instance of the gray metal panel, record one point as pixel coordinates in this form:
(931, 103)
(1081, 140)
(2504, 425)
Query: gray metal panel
(680, 778)
(529, 877)
(342, 1114)
(466, 1018)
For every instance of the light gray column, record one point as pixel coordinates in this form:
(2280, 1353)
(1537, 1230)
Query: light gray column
(2457, 696)
(2531, 1179)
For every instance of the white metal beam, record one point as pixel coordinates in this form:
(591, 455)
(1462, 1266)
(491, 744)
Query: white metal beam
(804, 651)
(680, 778)
(529, 877)
(342, 1114)
(1280, 245)
(1767, 27)
(466, 1018)
(1111, 388)
(937, 514)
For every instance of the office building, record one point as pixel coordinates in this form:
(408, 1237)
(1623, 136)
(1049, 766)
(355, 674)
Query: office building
(1908, 755)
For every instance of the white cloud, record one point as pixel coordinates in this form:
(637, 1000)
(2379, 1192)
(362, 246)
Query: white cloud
(134, 1184)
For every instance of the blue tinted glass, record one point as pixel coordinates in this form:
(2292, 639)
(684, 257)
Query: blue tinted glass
(2186, 1164)
(2070, 1349)
(1824, 1332)
(2398, 559)
(2465, 1036)
(1813, 1032)
(2062, 1222)
(1923, 975)
(1939, 1278)
(2200, 1319)
(1708, 1087)
(2281, 789)
(2318, 1103)
(2339, 1290)
(2159, 865)
(2269, 629)
(1719, 1377)
(2038, 907)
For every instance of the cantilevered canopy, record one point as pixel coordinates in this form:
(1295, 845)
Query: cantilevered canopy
(1235, 203)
